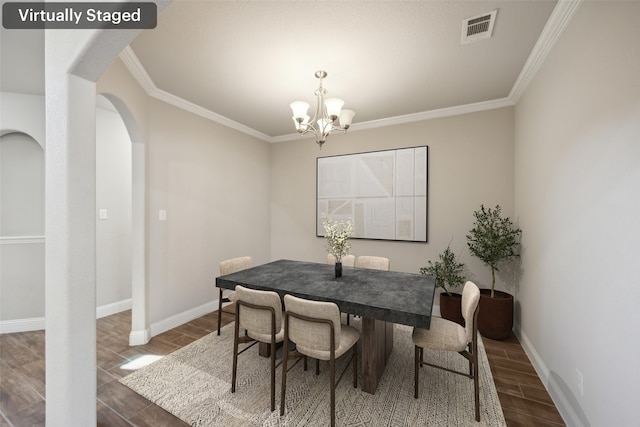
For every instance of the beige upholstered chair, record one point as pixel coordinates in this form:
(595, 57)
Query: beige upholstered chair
(260, 314)
(227, 267)
(449, 336)
(373, 262)
(347, 260)
(315, 328)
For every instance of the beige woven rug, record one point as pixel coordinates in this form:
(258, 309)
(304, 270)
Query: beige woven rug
(193, 383)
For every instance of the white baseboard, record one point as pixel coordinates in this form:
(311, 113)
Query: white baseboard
(140, 337)
(182, 318)
(39, 323)
(113, 308)
(561, 401)
(565, 408)
(536, 360)
(22, 325)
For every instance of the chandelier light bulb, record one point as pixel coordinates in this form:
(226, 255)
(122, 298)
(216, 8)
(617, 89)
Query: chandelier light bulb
(299, 109)
(334, 105)
(346, 117)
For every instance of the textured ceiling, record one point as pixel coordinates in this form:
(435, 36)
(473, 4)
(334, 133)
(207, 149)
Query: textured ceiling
(248, 60)
(245, 61)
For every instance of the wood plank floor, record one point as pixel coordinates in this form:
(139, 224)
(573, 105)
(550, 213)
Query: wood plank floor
(524, 399)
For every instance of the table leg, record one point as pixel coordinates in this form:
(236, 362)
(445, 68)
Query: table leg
(264, 349)
(377, 343)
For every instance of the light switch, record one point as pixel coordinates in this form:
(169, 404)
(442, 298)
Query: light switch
(162, 215)
(102, 214)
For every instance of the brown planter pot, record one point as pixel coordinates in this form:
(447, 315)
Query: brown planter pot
(451, 307)
(495, 316)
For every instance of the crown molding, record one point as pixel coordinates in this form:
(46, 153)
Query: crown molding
(134, 66)
(139, 73)
(560, 17)
(417, 117)
(207, 114)
(434, 114)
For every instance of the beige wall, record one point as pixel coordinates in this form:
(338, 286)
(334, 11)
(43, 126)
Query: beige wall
(470, 163)
(577, 161)
(113, 194)
(214, 184)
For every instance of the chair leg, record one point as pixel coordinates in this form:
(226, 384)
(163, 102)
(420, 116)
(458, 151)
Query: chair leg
(332, 379)
(476, 380)
(235, 352)
(476, 389)
(416, 368)
(285, 358)
(317, 367)
(355, 366)
(219, 310)
(273, 376)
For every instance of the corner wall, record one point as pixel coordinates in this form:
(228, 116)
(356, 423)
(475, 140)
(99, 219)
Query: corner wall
(213, 184)
(577, 169)
(470, 163)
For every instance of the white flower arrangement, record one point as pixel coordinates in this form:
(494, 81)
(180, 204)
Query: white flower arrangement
(337, 234)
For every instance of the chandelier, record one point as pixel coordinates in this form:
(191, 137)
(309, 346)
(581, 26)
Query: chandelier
(329, 115)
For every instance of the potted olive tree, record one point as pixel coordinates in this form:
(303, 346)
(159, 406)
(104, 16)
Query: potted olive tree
(448, 273)
(493, 239)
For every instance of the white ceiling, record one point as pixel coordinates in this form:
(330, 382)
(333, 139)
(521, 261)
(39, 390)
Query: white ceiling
(243, 62)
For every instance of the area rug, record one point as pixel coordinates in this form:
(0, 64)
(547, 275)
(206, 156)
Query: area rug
(194, 384)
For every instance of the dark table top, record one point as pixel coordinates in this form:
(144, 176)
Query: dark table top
(392, 296)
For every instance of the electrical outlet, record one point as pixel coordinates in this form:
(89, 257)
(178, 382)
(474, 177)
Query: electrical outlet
(162, 215)
(580, 381)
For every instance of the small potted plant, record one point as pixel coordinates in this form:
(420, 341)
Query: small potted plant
(337, 234)
(448, 273)
(493, 239)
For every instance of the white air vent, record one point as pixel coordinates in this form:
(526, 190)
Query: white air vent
(478, 27)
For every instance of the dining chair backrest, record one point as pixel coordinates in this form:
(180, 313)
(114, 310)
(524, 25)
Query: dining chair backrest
(373, 262)
(470, 301)
(258, 321)
(312, 335)
(347, 260)
(235, 264)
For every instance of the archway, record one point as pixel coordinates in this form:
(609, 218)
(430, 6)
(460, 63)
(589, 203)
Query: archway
(21, 231)
(139, 319)
(74, 61)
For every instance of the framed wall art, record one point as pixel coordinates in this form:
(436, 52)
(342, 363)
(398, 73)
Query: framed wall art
(384, 193)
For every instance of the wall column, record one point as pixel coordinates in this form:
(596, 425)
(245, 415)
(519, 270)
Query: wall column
(70, 226)
(140, 333)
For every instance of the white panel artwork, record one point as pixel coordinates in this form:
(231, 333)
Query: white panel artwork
(384, 193)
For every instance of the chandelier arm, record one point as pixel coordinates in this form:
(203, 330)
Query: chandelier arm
(321, 124)
(310, 128)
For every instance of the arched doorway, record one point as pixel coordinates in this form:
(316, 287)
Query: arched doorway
(133, 229)
(74, 60)
(21, 230)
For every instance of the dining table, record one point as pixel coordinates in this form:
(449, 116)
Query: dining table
(381, 298)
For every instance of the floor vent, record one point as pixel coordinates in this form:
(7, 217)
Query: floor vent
(478, 27)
